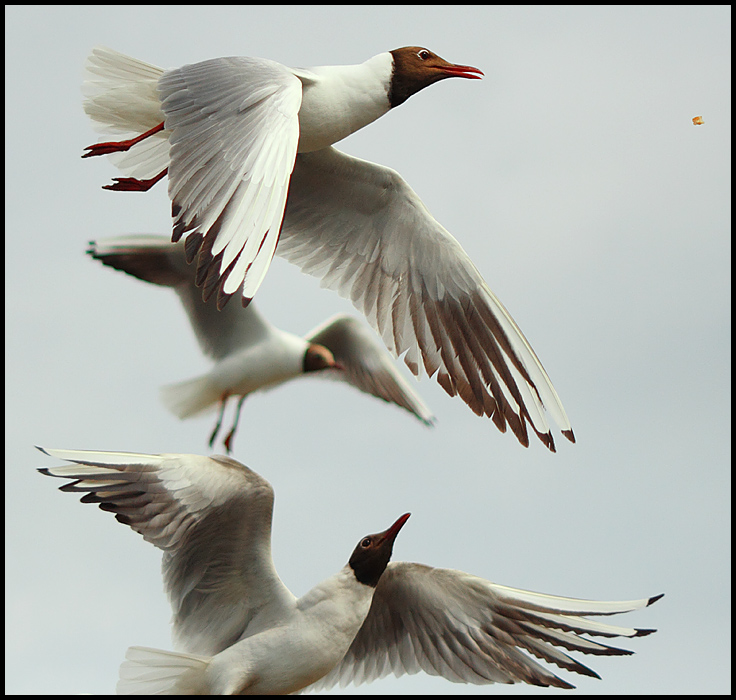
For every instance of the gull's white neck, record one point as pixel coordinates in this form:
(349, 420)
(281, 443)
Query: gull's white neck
(339, 100)
(275, 358)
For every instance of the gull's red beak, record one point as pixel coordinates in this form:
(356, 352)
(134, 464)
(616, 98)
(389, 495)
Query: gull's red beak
(391, 533)
(454, 71)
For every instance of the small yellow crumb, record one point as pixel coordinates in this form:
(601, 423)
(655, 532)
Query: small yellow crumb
(697, 121)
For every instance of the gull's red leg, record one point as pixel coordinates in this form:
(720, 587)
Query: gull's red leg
(229, 439)
(131, 184)
(102, 149)
(223, 401)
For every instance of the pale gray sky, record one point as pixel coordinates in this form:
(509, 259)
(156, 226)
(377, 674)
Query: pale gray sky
(572, 175)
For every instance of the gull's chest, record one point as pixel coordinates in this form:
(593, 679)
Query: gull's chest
(299, 650)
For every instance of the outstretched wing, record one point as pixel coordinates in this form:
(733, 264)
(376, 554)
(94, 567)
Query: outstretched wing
(154, 259)
(366, 365)
(468, 630)
(211, 516)
(364, 231)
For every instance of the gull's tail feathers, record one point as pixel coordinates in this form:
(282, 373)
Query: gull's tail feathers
(155, 672)
(121, 97)
(190, 397)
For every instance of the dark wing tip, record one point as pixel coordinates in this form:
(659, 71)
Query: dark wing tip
(413, 367)
(584, 670)
(38, 447)
(548, 440)
(178, 231)
(569, 435)
(121, 518)
(655, 598)
(192, 244)
(222, 298)
(91, 497)
(644, 632)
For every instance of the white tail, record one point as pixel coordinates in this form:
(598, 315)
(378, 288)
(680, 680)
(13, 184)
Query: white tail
(156, 672)
(190, 397)
(121, 92)
(121, 97)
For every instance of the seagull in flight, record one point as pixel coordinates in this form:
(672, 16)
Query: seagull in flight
(251, 354)
(247, 145)
(238, 630)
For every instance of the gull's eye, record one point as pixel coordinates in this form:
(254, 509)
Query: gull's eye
(366, 542)
(423, 54)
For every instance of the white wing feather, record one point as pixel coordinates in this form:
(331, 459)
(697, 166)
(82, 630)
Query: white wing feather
(468, 630)
(211, 516)
(153, 258)
(231, 197)
(366, 364)
(364, 231)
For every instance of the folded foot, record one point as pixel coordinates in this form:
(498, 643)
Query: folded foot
(228, 442)
(132, 184)
(103, 149)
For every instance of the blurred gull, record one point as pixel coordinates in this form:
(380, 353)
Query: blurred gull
(251, 354)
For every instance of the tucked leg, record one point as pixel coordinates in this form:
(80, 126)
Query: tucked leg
(132, 184)
(231, 434)
(103, 149)
(218, 425)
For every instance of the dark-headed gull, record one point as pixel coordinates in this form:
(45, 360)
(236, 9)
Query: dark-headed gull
(250, 353)
(239, 630)
(236, 136)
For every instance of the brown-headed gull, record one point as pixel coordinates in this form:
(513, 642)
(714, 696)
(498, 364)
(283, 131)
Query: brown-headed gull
(251, 354)
(239, 630)
(238, 136)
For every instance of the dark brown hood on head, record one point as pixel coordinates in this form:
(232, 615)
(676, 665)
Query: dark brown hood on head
(373, 553)
(318, 357)
(415, 68)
